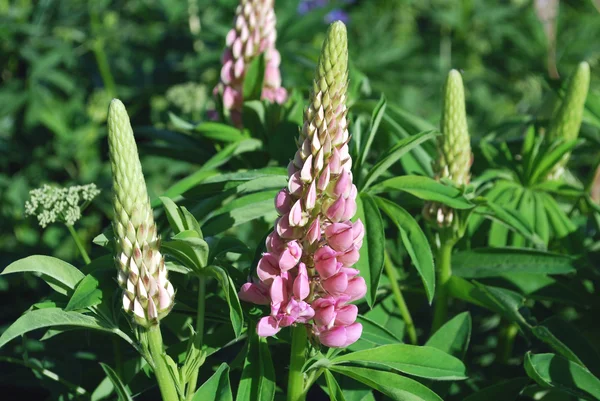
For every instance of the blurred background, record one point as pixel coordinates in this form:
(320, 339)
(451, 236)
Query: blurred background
(61, 61)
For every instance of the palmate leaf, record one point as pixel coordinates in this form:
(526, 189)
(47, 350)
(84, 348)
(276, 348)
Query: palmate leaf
(493, 262)
(395, 386)
(454, 336)
(253, 78)
(59, 275)
(258, 375)
(424, 188)
(217, 387)
(50, 317)
(335, 392)
(505, 390)
(554, 371)
(122, 391)
(373, 335)
(394, 154)
(414, 241)
(427, 362)
(377, 115)
(235, 309)
(370, 263)
(568, 341)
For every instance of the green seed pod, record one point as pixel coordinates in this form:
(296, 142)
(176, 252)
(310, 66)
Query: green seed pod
(453, 146)
(566, 121)
(147, 293)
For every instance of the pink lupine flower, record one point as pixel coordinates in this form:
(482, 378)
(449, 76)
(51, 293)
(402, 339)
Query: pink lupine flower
(253, 34)
(310, 253)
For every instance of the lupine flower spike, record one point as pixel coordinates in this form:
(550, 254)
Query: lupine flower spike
(254, 33)
(306, 275)
(453, 148)
(566, 122)
(147, 293)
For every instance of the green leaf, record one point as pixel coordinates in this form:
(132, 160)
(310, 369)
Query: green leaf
(454, 336)
(235, 309)
(499, 300)
(414, 241)
(427, 362)
(542, 227)
(86, 294)
(494, 262)
(505, 390)
(370, 263)
(511, 219)
(219, 132)
(559, 221)
(189, 248)
(554, 371)
(241, 210)
(395, 386)
(424, 188)
(253, 78)
(549, 160)
(335, 392)
(376, 116)
(217, 387)
(59, 275)
(122, 391)
(373, 335)
(568, 341)
(258, 375)
(394, 154)
(49, 317)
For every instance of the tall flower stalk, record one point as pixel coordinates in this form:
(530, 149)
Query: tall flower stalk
(254, 33)
(148, 295)
(306, 275)
(454, 164)
(566, 121)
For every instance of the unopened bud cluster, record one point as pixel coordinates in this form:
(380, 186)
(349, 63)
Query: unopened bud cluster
(306, 275)
(254, 34)
(53, 204)
(454, 155)
(147, 293)
(566, 121)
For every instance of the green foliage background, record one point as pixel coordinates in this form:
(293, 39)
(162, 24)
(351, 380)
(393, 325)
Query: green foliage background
(62, 61)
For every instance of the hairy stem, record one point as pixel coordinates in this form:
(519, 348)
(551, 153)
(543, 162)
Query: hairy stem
(79, 244)
(199, 334)
(444, 268)
(161, 370)
(402, 307)
(297, 359)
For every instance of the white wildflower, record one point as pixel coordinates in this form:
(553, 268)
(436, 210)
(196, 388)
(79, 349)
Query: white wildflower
(53, 204)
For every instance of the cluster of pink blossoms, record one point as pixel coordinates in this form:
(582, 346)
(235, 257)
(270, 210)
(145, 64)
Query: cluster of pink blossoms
(306, 275)
(254, 34)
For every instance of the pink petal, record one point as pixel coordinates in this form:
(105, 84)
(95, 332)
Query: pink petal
(353, 333)
(267, 326)
(301, 283)
(346, 315)
(339, 236)
(268, 268)
(278, 291)
(357, 288)
(254, 293)
(335, 337)
(336, 285)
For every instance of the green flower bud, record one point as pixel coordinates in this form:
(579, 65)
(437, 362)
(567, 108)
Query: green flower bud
(566, 121)
(147, 293)
(453, 146)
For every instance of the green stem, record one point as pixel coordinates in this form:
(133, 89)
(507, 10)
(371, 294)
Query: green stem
(312, 378)
(118, 357)
(444, 267)
(506, 342)
(297, 359)
(101, 59)
(79, 244)
(199, 338)
(404, 311)
(161, 370)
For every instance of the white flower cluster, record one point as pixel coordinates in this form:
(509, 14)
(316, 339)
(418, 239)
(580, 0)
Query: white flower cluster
(51, 204)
